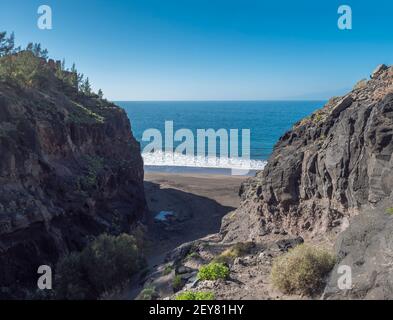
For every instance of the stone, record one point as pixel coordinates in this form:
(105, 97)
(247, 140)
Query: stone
(183, 270)
(378, 71)
(286, 244)
(187, 276)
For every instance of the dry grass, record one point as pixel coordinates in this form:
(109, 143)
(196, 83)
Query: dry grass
(230, 254)
(302, 269)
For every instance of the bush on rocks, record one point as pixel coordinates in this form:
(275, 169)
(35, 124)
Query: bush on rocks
(302, 269)
(213, 271)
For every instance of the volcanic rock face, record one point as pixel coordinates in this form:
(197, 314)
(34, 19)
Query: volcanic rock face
(365, 258)
(324, 170)
(69, 169)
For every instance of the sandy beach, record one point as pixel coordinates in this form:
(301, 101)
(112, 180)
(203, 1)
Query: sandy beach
(198, 201)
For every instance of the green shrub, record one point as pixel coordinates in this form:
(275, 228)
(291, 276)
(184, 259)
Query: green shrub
(213, 271)
(105, 264)
(389, 211)
(177, 283)
(301, 270)
(318, 117)
(25, 69)
(192, 255)
(110, 260)
(167, 270)
(196, 295)
(148, 293)
(70, 280)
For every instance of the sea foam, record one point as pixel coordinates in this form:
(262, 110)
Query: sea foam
(174, 159)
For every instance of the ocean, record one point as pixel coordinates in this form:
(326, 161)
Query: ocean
(266, 120)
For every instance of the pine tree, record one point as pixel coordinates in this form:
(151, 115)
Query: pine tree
(86, 87)
(79, 81)
(29, 47)
(73, 80)
(36, 49)
(7, 45)
(3, 41)
(100, 94)
(73, 68)
(10, 44)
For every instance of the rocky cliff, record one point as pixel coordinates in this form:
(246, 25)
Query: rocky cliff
(330, 180)
(69, 169)
(325, 169)
(366, 247)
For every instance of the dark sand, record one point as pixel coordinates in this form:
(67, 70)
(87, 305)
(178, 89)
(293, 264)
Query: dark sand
(199, 202)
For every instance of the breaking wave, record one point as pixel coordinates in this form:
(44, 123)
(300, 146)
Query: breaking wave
(160, 158)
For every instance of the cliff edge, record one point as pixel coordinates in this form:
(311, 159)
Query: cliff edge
(324, 170)
(69, 169)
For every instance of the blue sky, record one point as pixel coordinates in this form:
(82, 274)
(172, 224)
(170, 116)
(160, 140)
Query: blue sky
(211, 49)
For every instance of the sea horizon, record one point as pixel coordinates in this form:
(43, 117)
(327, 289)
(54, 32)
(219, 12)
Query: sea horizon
(267, 121)
(222, 100)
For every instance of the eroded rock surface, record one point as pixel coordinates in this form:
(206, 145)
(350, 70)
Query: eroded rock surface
(69, 169)
(324, 170)
(365, 258)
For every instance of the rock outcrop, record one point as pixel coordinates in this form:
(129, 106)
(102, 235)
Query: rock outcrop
(365, 258)
(325, 170)
(330, 180)
(69, 169)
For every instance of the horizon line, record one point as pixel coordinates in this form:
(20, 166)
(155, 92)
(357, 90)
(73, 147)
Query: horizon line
(221, 100)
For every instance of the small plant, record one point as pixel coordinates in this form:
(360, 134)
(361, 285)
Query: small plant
(167, 270)
(196, 295)
(389, 211)
(318, 117)
(237, 250)
(360, 84)
(148, 293)
(177, 283)
(302, 269)
(192, 255)
(213, 271)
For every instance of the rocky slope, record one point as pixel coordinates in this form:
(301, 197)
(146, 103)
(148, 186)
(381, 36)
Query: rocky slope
(329, 180)
(325, 170)
(69, 169)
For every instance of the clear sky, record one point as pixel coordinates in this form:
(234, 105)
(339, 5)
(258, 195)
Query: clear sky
(211, 49)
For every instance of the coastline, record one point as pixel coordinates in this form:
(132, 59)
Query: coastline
(197, 171)
(219, 187)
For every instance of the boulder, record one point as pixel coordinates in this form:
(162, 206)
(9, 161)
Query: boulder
(378, 71)
(365, 255)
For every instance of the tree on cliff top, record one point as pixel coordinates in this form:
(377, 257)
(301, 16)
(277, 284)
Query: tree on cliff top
(86, 87)
(23, 67)
(100, 94)
(36, 49)
(7, 45)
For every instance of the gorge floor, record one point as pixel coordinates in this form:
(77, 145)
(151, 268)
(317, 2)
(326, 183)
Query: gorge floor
(199, 203)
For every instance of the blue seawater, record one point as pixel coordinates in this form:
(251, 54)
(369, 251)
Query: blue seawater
(267, 121)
